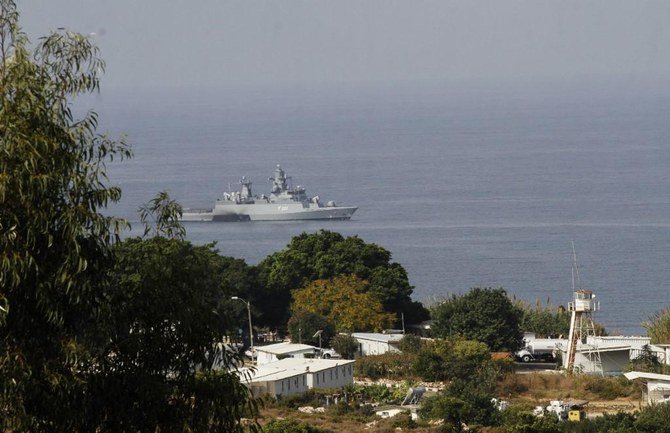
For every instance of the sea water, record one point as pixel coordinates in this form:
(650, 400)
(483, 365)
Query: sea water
(468, 185)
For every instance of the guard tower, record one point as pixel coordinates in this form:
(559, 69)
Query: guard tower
(582, 327)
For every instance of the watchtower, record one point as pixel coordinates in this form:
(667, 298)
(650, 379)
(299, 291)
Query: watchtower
(582, 307)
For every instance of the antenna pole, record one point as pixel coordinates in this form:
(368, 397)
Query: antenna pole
(575, 268)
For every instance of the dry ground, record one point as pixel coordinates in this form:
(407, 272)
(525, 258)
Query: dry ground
(605, 395)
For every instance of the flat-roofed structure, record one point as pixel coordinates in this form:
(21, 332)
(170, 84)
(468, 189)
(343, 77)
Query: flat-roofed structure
(297, 375)
(374, 343)
(275, 352)
(657, 386)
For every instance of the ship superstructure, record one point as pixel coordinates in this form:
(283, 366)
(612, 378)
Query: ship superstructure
(285, 203)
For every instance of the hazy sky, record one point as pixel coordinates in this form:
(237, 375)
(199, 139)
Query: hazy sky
(186, 43)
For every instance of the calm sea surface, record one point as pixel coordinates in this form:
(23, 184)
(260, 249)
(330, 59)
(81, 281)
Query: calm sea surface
(466, 186)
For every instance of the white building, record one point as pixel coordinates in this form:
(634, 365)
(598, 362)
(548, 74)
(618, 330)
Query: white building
(275, 352)
(614, 352)
(297, 375)
(276, 382)
(657, 386)
(371, 343)
(599, 359)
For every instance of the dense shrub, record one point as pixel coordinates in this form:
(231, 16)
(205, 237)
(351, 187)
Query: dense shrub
(345, 345)
(386, 366)
(294, 401)
(410, 344)
(403, 421)
(291, 426)
(608, 423)
(483, 314)
(654, 419)
(609, 388)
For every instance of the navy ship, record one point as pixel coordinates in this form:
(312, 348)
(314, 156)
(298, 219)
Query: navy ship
(285, 203)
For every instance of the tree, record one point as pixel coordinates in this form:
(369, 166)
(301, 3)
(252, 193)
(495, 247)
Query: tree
(165, 214)
(95, 335)
(543, 320)
(454, 360)
(454, 411)
(161, 366)
(658, 327)
(345, 345)
(303, 326)
(54, 241)
(324, 255)
(485, 315)
(647, 361)
(343, 301)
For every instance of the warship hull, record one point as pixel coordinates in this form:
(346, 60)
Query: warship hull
(269, 212)
(285, 203)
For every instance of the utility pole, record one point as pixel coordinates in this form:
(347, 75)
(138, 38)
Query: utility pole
(251, 329)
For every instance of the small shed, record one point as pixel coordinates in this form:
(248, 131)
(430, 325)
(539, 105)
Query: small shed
(275, 352)
(656, 386)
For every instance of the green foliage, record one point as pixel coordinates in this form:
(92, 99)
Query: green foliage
(162, 217)
(609, 388)
(389, 365)
(485, 315)
(294, 401)
(449, 360)
(95, 335)
(429, 366)
(608, 423)
(654, 419)
(472, 379)
(658, 327)
(325, 255)
(345, 345)
(410, 344)
(344, 302)
(647, 361)
(290, 426)
(54, 240)
(161, 342)
(303, 325)
(403, 421)
(454, 411)
(547, 424)
(543, 320)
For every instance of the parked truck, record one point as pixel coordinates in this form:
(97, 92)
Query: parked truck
(540, 349)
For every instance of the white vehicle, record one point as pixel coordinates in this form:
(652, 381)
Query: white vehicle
(540, 349)
(329, 353)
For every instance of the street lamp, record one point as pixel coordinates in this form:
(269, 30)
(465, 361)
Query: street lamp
(318, 334)
(251, 329)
